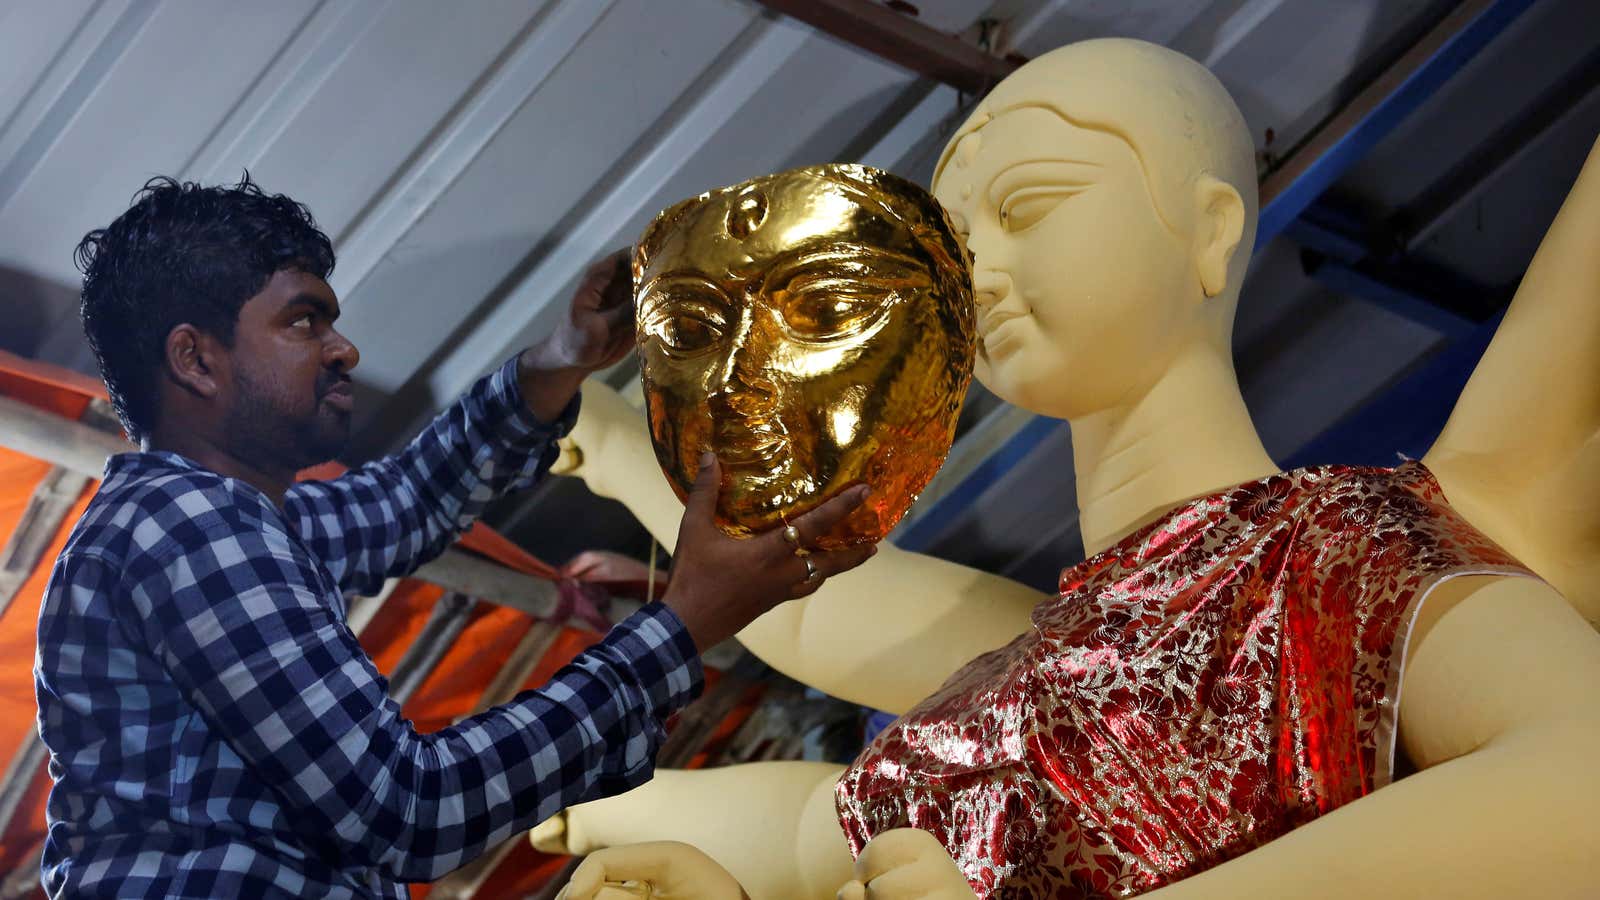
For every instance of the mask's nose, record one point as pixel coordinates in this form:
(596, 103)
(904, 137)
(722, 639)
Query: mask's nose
(740, 385)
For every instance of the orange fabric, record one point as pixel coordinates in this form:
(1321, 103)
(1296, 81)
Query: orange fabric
(49, 378)
(19, 476)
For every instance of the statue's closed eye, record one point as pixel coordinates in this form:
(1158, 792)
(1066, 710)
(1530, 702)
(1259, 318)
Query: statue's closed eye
(1022, 209)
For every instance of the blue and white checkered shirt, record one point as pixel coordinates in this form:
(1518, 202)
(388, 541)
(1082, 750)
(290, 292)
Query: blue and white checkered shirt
(215, 730)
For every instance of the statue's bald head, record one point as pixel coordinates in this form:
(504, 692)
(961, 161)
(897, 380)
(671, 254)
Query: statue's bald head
(1177, 117)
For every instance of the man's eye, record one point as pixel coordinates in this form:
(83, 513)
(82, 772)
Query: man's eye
(304, 322)
(821, 315)
(1026, 208)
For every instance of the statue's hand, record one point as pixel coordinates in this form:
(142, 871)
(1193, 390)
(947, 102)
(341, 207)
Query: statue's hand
(662, 870)
(605, 413)
(553, 837)
(906, 864)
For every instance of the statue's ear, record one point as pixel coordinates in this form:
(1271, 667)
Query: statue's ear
(1219, 226)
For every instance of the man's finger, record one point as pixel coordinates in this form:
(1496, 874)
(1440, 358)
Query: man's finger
(617, 289)
(826, 566)
(702, 502)
(821, 520)
(833, 562)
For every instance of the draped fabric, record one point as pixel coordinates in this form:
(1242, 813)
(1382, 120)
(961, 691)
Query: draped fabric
(1226, 674)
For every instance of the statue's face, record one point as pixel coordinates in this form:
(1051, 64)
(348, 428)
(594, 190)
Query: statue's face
(1075, 269)
(797, 328)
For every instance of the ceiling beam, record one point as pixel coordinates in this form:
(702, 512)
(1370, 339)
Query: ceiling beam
(902, 40)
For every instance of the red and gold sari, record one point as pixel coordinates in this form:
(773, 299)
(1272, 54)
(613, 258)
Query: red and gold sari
(1226, 674)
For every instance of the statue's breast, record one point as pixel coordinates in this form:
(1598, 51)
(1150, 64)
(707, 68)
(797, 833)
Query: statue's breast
(1221, 677)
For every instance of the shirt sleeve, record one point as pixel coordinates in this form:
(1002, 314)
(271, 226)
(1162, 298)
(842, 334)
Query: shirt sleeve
(234, 620)
(386, 518)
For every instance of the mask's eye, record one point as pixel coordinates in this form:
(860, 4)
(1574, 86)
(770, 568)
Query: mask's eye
(1025, 208)
(683, 325)
(683, 315)
(818, 314)
(686, 333)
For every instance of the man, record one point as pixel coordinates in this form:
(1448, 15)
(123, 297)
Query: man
(214, 727)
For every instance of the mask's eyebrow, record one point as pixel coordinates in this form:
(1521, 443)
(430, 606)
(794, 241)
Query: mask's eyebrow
(833, 263)
(1030, 173)
(673, 287)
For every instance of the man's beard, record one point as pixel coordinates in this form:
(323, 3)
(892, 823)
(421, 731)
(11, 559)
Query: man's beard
(259, 428)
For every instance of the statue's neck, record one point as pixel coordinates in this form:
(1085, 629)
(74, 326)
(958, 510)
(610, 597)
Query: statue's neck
(1188, 436)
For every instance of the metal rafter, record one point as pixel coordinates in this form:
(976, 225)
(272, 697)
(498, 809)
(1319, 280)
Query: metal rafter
(901, 40)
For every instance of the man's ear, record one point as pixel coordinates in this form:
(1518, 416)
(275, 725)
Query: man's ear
(1219, 226)
(192, 359)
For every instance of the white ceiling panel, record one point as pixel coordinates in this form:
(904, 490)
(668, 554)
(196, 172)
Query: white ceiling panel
(162, 78)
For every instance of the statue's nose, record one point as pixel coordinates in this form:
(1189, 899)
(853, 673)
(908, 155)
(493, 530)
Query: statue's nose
(990, 287)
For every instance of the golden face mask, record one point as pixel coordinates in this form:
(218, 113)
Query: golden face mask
(814, 329)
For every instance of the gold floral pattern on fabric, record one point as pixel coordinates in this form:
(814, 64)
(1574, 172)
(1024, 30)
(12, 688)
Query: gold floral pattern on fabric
(1224, 675)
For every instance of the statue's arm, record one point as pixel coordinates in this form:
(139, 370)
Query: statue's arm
(1499, 709)
(771, 826)
(884, 635)
(1520, 455)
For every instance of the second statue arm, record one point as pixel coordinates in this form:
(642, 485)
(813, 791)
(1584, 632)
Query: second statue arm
(885, 635)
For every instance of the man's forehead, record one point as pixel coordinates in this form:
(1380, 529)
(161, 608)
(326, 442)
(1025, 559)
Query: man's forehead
(288, 286)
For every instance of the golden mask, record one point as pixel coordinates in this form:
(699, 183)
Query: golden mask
(814, 329)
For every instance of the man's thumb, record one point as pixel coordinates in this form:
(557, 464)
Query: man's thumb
(702, 502)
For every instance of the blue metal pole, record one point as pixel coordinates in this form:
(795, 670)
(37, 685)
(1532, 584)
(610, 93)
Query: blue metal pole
(1410, 94)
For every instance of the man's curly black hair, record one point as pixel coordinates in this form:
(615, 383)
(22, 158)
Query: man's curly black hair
(183, 253)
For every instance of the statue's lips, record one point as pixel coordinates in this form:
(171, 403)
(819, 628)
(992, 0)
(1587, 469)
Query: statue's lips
(994, 317)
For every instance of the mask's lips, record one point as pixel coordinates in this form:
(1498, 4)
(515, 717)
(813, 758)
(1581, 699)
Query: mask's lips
(751, 441)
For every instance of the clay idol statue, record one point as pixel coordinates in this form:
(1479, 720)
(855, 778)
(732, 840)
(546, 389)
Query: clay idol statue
(813, 329)
(1226, 697)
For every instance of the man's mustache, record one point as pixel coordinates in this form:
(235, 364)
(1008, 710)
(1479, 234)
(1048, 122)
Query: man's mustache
(328, 382)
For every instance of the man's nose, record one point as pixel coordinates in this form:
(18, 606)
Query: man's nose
(340, 353)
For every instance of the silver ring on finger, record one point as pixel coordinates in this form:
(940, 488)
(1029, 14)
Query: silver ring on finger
(811, 569)
(792, 535)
